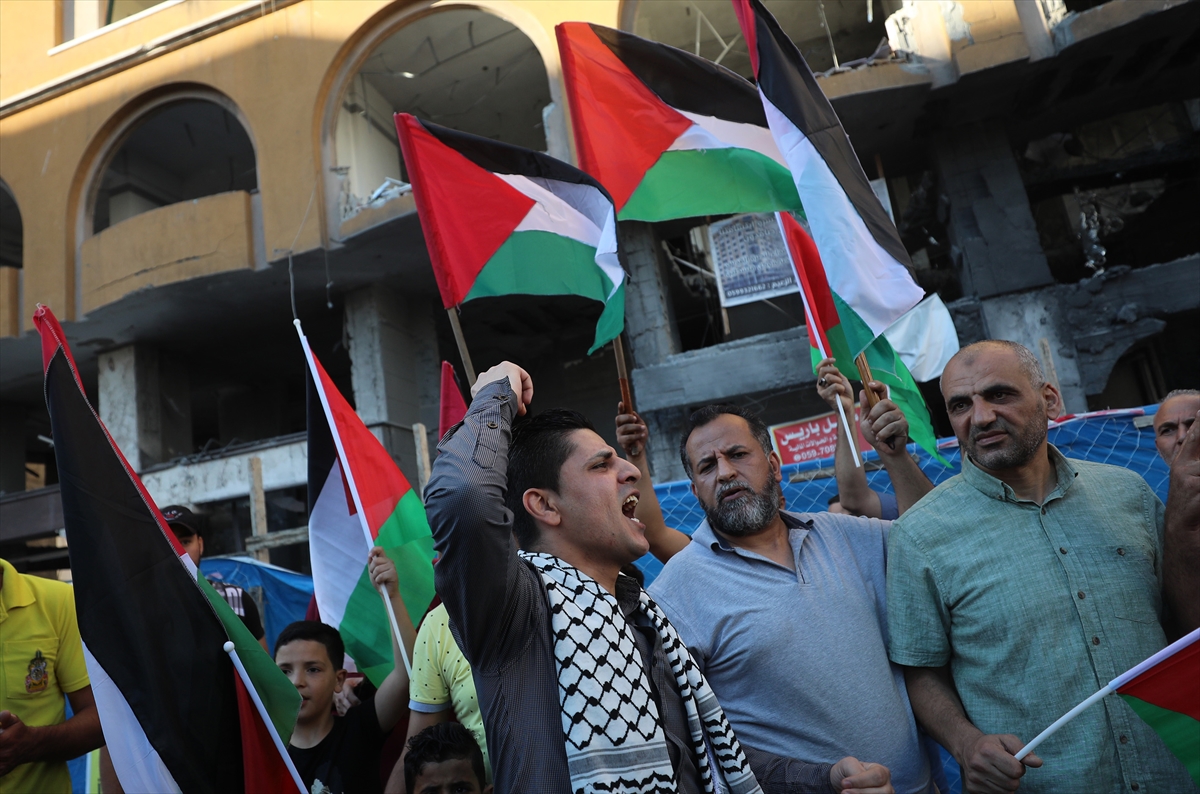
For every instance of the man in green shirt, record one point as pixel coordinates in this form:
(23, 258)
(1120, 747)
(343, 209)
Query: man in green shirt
(1021, 586)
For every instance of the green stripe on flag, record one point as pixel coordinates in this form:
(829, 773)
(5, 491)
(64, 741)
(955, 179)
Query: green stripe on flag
(1179, 732)
(365, 627)
(886, 367)
(696, 182)
(278, 694)
(544, 263)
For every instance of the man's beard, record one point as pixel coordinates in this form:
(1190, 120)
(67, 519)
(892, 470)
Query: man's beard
(1021, 449)
(748, 515)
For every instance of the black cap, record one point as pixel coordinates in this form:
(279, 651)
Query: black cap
(182, 520)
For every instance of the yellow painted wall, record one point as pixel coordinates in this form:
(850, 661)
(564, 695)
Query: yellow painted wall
(193, 238)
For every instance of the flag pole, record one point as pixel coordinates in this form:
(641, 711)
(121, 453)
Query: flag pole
(1063, 720)
(864, 374)
(812, 324)
(349, 475)
(461, 341)
(231, 649)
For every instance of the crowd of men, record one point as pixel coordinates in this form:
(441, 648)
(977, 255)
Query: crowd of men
(777, 651)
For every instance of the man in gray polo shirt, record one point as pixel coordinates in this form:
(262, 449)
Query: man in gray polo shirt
(785, 612)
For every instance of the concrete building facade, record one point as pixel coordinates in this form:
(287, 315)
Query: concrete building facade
(178, 177)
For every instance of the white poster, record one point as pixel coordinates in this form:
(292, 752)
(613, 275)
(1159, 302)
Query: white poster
(750, 260)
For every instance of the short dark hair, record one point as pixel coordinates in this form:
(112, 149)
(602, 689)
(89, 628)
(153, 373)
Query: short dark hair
(316, 631)
(446, 741)
(710, 412)
(539, 448)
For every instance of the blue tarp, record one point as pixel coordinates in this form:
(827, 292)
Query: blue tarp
(285, 593)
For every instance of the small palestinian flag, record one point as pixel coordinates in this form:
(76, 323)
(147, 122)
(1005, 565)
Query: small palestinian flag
(1164, 690)
(503, 220)
(356, 491)
(154, 631)
(669, 134)
(828, 318)
(451, 405)
(866, 264)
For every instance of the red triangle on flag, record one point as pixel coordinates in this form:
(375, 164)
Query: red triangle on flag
(466, 211)
(451, 408)
(813, 282)
(263, 768)
(621, 126)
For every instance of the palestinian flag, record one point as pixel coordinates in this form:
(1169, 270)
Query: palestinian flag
(154, 631)
(866, 265)
(503, 220)
(831, 322)
(669, 134)
(451, 405)
(357, 499)
(1164, 690)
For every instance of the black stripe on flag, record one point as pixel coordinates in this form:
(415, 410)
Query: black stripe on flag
(322, 453)
(504, 158)
(141, 614)
(786, 80)
(685, 81)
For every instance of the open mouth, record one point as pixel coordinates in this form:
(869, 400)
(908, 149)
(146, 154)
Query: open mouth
(629, 506)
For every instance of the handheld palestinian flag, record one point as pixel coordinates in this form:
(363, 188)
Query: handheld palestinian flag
(503, 220)
(831, 322)
(865, 263)
(355, 492)
(1164, 691)
(154, 631)
(451, 405)
(669, 134)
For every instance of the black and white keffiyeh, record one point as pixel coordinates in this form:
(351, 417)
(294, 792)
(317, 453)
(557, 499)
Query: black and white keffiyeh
(611, 725)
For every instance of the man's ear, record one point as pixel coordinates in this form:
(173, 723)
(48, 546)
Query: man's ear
(200, 543)
(776, 465)
(1054, 405)
(542, 506)
(340, 677)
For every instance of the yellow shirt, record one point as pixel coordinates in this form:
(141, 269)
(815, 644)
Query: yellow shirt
(41, 659)
(441, 675)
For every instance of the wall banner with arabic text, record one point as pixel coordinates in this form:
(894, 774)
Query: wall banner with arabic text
(811, 439)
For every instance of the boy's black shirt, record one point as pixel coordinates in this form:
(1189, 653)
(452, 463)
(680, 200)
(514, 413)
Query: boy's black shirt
(347, 760)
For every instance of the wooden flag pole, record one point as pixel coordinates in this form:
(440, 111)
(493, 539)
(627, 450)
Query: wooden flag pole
(623, 380)
(864, 374)
(452, 313)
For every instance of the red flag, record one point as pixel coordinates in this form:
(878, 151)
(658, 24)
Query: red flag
(451, 407)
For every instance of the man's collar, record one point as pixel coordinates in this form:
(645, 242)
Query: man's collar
(16, 592)
(704, 533)
(997, 489)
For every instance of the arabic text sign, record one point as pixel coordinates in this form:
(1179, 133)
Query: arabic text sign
(811, 439)
(750, 259)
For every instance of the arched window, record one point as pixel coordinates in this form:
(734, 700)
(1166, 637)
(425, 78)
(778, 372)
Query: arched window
(828, 32)
(11, 233)
(179, 151)
(462, 68)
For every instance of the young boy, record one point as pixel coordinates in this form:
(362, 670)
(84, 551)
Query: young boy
(340, 755)
(444, 759)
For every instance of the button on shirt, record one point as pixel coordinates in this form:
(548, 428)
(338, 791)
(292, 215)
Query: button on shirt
(1034, 608)
(798, 658)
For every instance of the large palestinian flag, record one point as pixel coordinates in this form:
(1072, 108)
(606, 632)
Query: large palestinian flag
(830, 322)
(356, 491)
(177, 714)
(669, 134)
(865, 262)
(503, 220)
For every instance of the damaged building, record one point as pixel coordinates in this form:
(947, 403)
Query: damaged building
(176, 176)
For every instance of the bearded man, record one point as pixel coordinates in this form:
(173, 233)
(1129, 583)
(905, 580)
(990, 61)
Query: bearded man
(1024, 584)
(784, 612)
(583, 683)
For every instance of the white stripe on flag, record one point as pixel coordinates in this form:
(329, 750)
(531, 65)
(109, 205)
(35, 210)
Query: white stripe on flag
(709, 132)
(869, 279)
(559, 209)
(136, 762)
(925, 338)
(336, 547)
